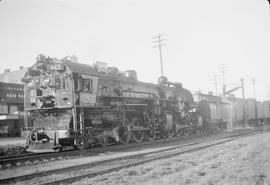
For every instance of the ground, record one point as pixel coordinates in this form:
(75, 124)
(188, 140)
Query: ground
(241, 162)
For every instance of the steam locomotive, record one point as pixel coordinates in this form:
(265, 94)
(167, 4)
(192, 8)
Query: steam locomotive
(72, 104)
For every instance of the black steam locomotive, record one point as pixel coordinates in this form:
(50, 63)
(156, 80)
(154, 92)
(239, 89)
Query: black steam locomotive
(73, 104)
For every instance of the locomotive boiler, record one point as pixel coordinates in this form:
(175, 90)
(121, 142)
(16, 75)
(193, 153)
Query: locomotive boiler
(74, 104)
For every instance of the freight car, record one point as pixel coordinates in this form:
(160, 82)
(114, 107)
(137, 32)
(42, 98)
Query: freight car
(73, 104)
(266, 111)
(229, 112)
(250, 111)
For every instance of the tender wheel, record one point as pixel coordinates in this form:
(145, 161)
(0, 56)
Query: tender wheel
(81, 142)
(137, 135)
(124, 132)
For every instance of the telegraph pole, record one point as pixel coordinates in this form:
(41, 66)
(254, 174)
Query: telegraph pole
(244, 102)
(254, 94)
(160, 42)
(223, 69)
(215, 81)
(254, 90)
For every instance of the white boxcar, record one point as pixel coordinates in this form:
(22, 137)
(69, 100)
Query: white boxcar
(239, 108)
(251, 109)
(266, 107)
(260, 110)
(226, 111)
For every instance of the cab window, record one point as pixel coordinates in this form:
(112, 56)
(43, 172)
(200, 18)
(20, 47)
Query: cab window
(87, 85)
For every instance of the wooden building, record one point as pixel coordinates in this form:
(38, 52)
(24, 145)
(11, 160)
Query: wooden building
(11, 102)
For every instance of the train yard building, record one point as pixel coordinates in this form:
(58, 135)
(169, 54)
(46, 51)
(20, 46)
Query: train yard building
(11, 102)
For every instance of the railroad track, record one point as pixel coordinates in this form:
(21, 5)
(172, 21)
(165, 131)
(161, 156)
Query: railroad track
(19, 160)
(109, 165)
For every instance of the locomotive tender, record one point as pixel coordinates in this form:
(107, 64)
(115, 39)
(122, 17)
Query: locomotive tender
(73, 104)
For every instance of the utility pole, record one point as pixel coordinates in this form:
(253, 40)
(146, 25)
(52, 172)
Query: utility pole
(214, 79)
(159, 43)
(244, 102)
(254, 94)
(223, 69)
(254, 90)
(217, 103)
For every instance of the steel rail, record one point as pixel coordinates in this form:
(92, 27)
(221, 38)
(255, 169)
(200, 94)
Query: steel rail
(13, 160)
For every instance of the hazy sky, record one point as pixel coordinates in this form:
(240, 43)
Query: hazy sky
(200, 35)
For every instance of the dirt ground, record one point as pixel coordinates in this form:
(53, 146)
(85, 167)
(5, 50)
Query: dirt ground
(242, 162)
